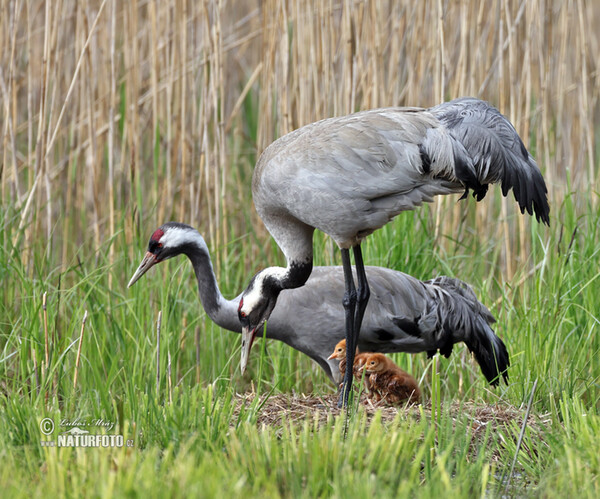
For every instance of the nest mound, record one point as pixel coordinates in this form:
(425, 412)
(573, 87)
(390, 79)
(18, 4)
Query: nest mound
(275, 410)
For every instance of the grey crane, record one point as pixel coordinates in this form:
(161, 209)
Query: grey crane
(348, 176)
(403, 315)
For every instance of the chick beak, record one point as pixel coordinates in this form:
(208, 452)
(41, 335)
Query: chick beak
(332, 356)
(248, 335)
(148, 261)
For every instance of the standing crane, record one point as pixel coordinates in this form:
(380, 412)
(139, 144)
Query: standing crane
(350, 175)
(403, 315)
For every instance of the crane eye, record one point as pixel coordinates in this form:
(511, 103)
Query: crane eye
(160, 245)
(242, 314)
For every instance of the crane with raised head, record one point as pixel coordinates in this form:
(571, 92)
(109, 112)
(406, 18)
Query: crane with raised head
(348, 176)
(403, 315)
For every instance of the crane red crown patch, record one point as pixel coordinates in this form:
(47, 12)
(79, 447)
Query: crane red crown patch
(157, 235)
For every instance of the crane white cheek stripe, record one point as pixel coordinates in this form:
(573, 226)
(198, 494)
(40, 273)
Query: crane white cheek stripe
(175, 237)
(252, 298)
(254, 294)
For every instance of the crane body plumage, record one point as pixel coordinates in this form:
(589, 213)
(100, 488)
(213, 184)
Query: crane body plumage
(403, 315)
(348, 176)
(375, 164)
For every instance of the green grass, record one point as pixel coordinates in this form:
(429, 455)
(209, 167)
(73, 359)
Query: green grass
(190, 437)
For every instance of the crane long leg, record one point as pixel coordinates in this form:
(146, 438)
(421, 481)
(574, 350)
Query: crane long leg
(362, 293)
(349, 303)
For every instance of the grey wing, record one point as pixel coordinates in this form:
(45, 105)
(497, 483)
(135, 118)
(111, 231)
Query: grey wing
(367, 164)
(400, 315)
(496, 151)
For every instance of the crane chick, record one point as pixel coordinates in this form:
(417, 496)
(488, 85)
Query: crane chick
(388, 382)
(339, 352)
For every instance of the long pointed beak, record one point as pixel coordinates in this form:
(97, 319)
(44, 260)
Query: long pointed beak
(332, 356)
(248, 336)
(148, 261)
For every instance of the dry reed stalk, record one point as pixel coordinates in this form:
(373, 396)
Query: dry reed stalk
(154, 71)
(9, 135)
(183, 17)
(29, 91)
(440, 90)
(111, 136)
(508, 262)
(11, 114)
(79, 350)
(584, 49)
(220, 186)
(167, 197)
(242, 96)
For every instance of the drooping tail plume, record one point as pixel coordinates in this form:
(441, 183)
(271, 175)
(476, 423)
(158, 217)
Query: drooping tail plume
(466, 319)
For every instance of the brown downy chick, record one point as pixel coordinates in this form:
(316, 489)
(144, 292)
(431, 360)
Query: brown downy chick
(339, 352)
(390, 383)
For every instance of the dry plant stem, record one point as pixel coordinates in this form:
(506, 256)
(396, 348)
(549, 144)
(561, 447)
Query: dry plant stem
(240, 100)
(111, 135)
(12, 115)
(77, 360)
(9, 133)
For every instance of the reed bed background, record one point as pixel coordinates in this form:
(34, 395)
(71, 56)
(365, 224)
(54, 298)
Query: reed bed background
(130, 114)
(119, 116)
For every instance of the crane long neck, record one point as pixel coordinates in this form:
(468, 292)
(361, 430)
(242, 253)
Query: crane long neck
(296, 274)
(296, 241)
(222, 312)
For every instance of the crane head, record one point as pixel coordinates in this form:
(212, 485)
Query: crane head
(169, 240)
(256, 305)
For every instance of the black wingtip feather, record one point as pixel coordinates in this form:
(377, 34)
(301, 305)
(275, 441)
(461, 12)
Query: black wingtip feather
(492, 359)
(495, 148)
(530, 192)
